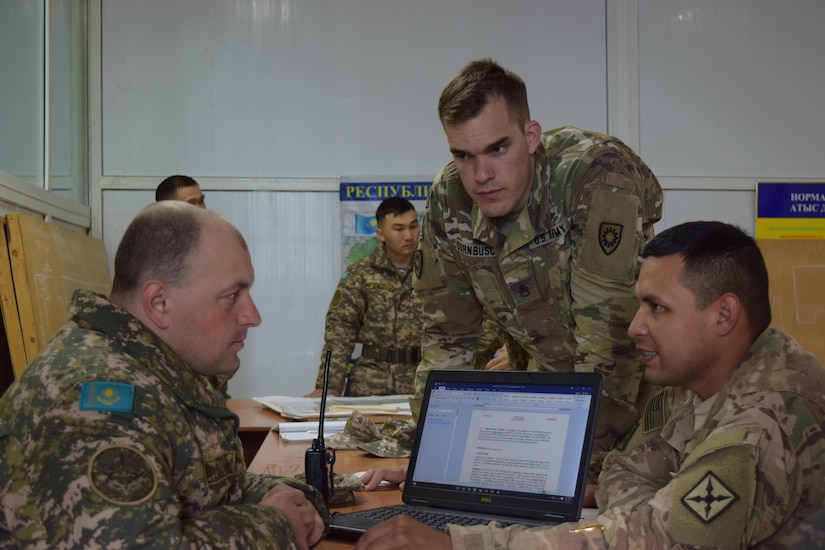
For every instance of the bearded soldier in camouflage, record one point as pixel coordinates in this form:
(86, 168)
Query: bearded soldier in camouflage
(374, 304)
(541, 234)
(731, 453)
(115, 437)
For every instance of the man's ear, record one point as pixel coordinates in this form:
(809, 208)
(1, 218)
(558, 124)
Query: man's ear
(380, 234)
(154, 297)
(532, 131)
(728, 312)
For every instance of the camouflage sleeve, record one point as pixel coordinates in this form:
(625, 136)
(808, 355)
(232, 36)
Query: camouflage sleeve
(493, 337)
(616, 200)
(452, 313)
(257, 485)
(583, 534)
(727, 493)
(102, 480)
(612, 220)
(345, 317)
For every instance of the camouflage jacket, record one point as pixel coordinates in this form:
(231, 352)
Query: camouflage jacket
(559, 280)
(108, 440)
(374, 304)
(747, 478)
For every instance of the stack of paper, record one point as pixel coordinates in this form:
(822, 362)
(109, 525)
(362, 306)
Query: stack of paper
(306, 408)
(307, 431)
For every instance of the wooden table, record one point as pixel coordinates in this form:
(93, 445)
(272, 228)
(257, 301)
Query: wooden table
(278, 457)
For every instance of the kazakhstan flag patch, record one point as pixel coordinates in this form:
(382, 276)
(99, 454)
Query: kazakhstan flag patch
(107, 396)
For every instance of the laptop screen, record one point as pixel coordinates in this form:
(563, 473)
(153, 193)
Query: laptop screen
(506, 436)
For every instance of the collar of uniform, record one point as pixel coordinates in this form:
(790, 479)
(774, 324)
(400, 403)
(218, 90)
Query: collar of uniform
(95, 312)
(776, 363)
(380, 260)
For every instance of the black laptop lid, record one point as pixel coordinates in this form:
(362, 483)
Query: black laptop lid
(504, 442)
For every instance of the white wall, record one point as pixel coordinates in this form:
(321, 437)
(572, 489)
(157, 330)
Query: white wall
(295, 248)
(269, 102)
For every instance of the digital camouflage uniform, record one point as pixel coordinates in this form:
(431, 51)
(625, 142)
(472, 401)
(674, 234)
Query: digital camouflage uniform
(492, 339)
(810, 535)
(559, 279)
(746, 478)
(374, 305)
(108, 440)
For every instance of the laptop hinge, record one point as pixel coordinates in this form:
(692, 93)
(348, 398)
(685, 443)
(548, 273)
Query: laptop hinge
(554, 518)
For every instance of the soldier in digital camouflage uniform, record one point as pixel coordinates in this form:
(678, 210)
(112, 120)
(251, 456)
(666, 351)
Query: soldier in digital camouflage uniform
(115, 437)
(539, 232)
(730, 454)
(374, 304)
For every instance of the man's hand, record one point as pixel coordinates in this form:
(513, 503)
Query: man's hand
(403, 532)
(304, 519)
(318, 391)
(373, 477)
(500, 361)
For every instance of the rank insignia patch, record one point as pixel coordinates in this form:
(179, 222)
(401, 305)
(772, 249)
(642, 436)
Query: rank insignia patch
(610, 236)
(709, 498)
(107, 396)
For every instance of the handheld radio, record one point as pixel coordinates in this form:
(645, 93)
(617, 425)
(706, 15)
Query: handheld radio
(317, 457)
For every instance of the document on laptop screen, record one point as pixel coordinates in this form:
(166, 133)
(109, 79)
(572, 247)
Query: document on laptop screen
(514, 451)
(517, 440)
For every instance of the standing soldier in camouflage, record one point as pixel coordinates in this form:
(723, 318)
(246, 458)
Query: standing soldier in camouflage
(730, 454)
(114, 435)
(540, 233)
(374, 304)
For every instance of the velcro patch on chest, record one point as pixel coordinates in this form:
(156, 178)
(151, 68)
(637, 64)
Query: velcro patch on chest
(220, 467)
(475, 250)
(655, 412)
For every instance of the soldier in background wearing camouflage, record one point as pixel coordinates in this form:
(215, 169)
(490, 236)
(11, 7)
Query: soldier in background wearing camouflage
(180, 188)
(730, 454)
(374, 304)
(114, 436)
(540, 233)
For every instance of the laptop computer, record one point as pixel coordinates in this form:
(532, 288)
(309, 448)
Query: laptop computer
(510, 446)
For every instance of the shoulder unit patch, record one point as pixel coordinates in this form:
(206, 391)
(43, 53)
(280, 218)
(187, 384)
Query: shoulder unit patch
(122, 475)
(107, 396)
(610, 236)
(709, 498)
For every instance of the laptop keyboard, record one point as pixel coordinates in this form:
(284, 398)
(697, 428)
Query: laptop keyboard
(437, 520)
